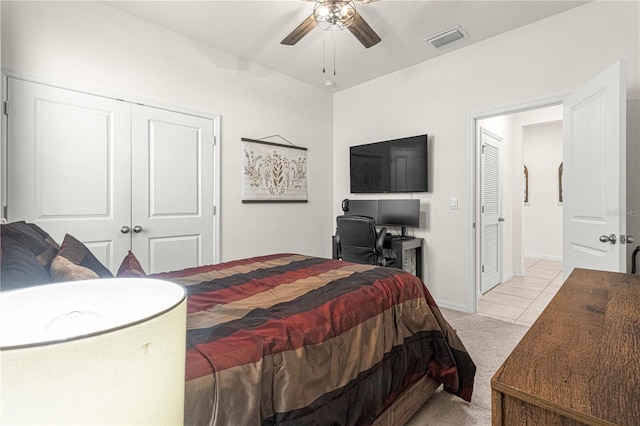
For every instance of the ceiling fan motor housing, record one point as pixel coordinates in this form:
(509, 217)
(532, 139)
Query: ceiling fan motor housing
(334, 14)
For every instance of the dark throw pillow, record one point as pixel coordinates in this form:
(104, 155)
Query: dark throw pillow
(130, 267)
(76, 253)
(33, 238)
(19, 267)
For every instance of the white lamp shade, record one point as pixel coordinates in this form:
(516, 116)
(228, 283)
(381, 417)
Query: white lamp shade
(108, 351)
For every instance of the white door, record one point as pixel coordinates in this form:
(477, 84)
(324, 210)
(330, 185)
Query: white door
(490, 211)
(172, 189)
(65, 170)
(595, 174)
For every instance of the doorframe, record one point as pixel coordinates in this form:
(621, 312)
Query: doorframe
(473, 180)
(111, 94)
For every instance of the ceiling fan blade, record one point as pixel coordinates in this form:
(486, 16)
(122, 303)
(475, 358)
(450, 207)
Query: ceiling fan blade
(363, 32)
(300, 31)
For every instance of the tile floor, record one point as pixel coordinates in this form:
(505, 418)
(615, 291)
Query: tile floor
(522, 299)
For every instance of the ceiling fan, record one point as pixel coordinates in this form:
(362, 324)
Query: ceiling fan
(336, 15)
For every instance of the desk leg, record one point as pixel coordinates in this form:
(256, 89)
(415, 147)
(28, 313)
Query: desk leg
(419, 262)
(397, 248)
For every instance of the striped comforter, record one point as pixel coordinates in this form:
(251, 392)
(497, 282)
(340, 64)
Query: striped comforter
(293, 339)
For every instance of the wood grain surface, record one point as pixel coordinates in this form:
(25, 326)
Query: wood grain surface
(580, 361)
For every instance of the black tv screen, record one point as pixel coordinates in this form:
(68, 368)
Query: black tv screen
(398, 165)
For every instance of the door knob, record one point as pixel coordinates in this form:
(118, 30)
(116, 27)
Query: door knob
(604, 238)
(137, 229)
(501, 219)
(630, 239)
(125, 229)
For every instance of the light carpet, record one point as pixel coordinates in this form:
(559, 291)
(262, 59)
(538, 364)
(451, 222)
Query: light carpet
(489, 341)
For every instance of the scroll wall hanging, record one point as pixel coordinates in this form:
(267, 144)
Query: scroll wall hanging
(273, 172)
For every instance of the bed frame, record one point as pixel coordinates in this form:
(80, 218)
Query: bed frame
(408, 403)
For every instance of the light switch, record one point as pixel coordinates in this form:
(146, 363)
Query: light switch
(453, 203)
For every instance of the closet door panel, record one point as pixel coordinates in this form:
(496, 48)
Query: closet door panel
(68, 166)
(172, 189)
(174, 170)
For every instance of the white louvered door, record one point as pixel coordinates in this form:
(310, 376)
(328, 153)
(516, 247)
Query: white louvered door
(491, 208)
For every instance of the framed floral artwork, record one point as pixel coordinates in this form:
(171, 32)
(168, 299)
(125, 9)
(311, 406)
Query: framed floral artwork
(273, 172)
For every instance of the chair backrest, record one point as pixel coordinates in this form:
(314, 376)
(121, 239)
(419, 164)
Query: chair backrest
(357, 238)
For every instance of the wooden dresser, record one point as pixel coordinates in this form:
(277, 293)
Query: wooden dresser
(580, 361)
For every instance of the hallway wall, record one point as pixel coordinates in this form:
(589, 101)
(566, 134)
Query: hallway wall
(542, 153)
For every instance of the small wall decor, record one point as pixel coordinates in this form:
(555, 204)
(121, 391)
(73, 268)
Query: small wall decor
(273, 172)
(560, 171)
(526, 184)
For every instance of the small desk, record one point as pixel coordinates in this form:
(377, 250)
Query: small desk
(400, 248)
(579, 362)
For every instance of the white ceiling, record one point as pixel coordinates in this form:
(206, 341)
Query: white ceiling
(252, 30)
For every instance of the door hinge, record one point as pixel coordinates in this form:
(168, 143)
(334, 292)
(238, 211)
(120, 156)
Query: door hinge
(482, 268)
(5, 212)
(214, 210)
(215, 140)
(482, 209)
(6, 108)
(483, 148)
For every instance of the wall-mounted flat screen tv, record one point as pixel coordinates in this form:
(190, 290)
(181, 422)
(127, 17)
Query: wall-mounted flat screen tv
(398, 165)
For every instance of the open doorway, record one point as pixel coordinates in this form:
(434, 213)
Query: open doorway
(594, 162)
(525, 250)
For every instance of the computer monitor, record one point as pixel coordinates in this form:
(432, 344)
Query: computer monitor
(403, 213)
(363, 208)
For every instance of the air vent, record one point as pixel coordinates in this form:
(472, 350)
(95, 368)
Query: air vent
(447, 36)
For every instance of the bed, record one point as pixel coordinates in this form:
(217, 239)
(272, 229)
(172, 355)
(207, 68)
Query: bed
(294, 339)
(285, 338)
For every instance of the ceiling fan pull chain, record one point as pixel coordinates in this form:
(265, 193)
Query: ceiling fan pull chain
(334, 58)
(323, 56)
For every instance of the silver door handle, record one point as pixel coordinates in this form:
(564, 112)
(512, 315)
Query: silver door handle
(630, 239)
(501, 219)
(604, 238)
(125, 229)
(137, 229)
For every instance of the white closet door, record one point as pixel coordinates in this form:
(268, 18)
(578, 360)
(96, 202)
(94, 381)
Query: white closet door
(172, 189)
(65, 171)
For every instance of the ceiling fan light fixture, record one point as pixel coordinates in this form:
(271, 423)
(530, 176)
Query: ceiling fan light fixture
(334, 15)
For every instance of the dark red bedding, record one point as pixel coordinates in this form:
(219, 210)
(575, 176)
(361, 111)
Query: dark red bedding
(293, 339)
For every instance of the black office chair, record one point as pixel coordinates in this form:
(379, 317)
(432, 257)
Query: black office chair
(358, 241)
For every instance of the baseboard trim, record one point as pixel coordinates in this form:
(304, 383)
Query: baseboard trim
(542, 256)
(507, 277)
(454, 306)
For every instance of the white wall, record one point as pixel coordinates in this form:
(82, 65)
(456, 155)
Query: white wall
(633, 178)
(542, 153)
(547, 58)
(94, 46)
